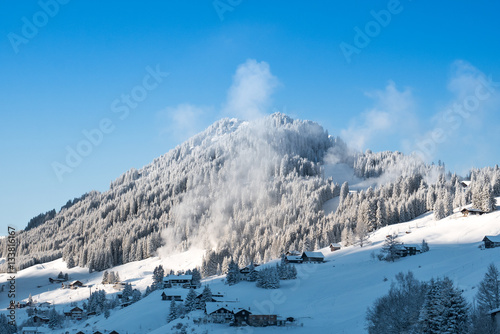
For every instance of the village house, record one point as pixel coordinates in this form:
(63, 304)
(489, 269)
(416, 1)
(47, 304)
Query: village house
(313, 257)
(241, 316)
(293, 259)
(465, 183)
(491, 241)
(262, 320)
(334, 247)
(75, 313)
(40, 319)
(178, 281)
(171, 295)
(407, 250)
(219, 313)
(75, 284)
(471, 211)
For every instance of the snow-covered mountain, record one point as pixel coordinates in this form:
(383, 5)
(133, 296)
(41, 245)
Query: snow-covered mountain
(330, 298)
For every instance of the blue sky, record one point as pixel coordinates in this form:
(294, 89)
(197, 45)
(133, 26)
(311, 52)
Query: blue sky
(384, 75)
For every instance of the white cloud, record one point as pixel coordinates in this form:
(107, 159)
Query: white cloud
(392, 114)
(465, 118)
(184, 120)
(250, 94)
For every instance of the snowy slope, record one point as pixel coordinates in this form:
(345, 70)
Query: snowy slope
(329, 297)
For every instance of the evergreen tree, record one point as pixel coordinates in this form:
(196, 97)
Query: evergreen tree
(55, 319)
(488, 294)
(196, 277)
(398, 311)
(344, 191)
(233, 274)
(190, 301)
(424, 247)
(71, 262)
(391, 247)
(444, 310)
(253, 275)
(158, 274)
(104, 277)
(172, 315)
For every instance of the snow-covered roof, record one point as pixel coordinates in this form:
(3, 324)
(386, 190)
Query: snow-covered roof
(466, 182)
(314, 254)
(335, 245)
(493, 238)
(177, 277)
(472, 210)
(211, 307)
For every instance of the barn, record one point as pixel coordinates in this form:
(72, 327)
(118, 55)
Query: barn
(313, 257)
(491, 241)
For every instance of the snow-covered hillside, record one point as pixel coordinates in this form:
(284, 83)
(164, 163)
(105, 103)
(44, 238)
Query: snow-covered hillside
(328, 297)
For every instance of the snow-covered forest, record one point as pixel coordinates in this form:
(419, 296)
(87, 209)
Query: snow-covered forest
(247, 190)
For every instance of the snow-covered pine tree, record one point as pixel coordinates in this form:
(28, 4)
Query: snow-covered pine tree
(488, 294)
(424, 247)
(70, 262)
(158, 274)
(104, 277)
(391, 247)
(190, 302)
(196, 277)
(172, 315)
(233, 274)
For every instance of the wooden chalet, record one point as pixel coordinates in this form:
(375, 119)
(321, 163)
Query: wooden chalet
(219, 313)
(75, 313)
(313, 257)
(262, 320)
(471, 211)
(169, 296)
(75, 284)
(491, 241)
(178, 281)
(465, 183)
(37, 319)
(241, 316)
(334, 247)
(80, 332)
(113, 332)
(293, 259)
(293, 252)
(407, 250)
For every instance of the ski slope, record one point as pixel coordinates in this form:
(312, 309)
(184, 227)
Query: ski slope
(331, 297)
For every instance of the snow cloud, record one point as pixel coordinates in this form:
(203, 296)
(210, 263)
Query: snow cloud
(464, 120)
(393, 113)
(184, 120)
(250, 94)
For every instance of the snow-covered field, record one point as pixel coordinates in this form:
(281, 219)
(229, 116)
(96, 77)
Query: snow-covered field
(326, 298)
